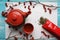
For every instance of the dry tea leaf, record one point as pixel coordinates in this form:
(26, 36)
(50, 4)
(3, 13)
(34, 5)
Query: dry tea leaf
(24, 3)
(6, 4)
(11, 7)
(33, 6)
(20, 32)
(15, 5)
(44, 7)
(32, 38)
(24, 35)
(29, 8)
(24, 6)
(19, 3)
(44, 33)
(30, 35)
(9, 26)
(30, 3)
(49, 10)
(29, 12)
(15, 38)
(48, 36)
(4, 13)
(24, 39)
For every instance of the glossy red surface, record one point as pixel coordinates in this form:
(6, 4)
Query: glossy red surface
(15, 17)
(52, 28)
(28, 28)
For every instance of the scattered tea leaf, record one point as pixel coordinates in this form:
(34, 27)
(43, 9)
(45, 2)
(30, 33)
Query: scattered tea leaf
(44, 7)
(19, 3)
(4, 13)
(30, 2)
(24, 3)
(44, 33)
(24, 6)
(49, 10)
(6, 4)
(20, 32)
(29, 8)
(11, 7)
(15, 38)
(32, 38)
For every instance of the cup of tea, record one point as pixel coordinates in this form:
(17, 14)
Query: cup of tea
(28, 28)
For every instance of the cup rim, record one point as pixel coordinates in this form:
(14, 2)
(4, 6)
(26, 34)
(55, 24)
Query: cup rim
(29, 31)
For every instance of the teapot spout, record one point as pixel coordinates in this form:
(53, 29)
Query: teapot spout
(27, 13)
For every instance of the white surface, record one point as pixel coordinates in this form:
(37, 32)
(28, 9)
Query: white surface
(33, 18)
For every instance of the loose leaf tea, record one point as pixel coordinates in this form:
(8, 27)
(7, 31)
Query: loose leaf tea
(24, 6)
(30, 3)
(29, 8)
(9, 26)
(24, 35)
(11, 7)
(15, 38)
(49, 10)
(4, 13)
(32, 38)
(29, 12)
(24, 3)
(30, 35)
(15, 5)
(44, 7)
(33, 6)
(6, 4)
(19, 3)
(45, 34)
(20, 32)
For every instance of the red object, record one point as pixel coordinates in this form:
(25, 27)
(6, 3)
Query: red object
(52, 28)
(16, 17)
(28, 28)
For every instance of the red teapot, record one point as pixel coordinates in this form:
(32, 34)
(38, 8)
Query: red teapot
(16, 17)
